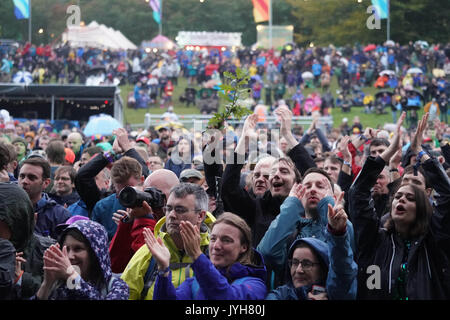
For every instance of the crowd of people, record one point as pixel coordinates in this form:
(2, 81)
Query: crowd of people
(249, 213)
(275, 75)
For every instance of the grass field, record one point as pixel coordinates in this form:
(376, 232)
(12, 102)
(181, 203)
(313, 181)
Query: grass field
(133, 116)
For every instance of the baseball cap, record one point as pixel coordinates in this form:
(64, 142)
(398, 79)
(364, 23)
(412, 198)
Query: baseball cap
(190, 173)
(144, 140)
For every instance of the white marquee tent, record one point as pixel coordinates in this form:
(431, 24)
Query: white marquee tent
(97, 36)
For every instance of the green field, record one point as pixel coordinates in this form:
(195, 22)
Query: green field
(133, 116)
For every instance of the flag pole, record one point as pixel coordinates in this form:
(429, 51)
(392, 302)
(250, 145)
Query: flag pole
(388, 20)
(270, 25)
(29, 24)
(160, 16)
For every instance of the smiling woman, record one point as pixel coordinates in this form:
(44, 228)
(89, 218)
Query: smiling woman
(234, 271)
(81, 270)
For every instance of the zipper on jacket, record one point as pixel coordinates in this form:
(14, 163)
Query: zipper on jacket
(428, 262)
(392, 261)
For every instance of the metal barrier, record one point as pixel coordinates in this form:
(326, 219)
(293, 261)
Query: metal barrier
(200, 121)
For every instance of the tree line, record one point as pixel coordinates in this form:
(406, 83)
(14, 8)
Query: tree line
(322, 22)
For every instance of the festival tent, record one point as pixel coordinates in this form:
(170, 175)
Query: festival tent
(159, 42)
(97, 36)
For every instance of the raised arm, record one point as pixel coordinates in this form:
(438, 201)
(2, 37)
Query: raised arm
(343, 271)
(361, 205)
(297, 151)
(235, 198)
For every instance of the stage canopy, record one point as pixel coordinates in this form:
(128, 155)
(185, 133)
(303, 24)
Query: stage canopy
(60, 102)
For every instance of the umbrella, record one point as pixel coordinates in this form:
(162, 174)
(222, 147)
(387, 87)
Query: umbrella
(422, 44)
(390, 43)
(95, 71)
(307, 75)
(414, 70)
(438, 73)
(256, 77)
(370, 47)
(388, 72)
(23, 77)
(102, 124)
(428, 106)
(379, 93)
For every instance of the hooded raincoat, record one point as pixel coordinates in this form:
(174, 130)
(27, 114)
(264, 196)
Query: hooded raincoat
(240, 282)
(107, 287)
(337, 255)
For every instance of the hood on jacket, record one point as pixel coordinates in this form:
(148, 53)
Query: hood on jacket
(97, 236)
(319, 247)
(16, 210)
(237, 270)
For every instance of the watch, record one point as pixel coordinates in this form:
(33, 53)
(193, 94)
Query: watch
(363, 137)
(161, 273)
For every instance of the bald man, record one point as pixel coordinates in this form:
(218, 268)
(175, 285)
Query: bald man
(260, 176)
(75, 142)
(131, 223)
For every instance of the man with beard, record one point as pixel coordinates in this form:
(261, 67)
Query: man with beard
(302, 214)
(260, 211)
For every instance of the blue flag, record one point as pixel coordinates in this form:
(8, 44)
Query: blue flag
(381, 7)
(156, 6)
(22, 9)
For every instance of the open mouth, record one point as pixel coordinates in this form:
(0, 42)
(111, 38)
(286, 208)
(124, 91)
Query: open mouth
(400, 209)
(277, 185)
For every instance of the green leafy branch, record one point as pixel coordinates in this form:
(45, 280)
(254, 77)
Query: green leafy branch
(233, 90)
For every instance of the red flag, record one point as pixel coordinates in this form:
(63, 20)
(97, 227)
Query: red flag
(261, 10)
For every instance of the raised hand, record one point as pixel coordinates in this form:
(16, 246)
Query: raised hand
(285, 116)
(343, 148)
(191, 239)
(57, 264)
(337, 218)
(157, 248)
(396, 141)
(123, 144)
(298, 191)
(249, 129)
(416, 144)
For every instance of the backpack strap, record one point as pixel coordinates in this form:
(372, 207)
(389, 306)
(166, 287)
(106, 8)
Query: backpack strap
(149, 278)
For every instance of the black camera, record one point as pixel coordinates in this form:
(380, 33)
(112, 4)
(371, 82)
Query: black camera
(132, 198)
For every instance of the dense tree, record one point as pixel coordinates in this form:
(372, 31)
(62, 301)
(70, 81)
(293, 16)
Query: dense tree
(344, 21)
(320, 21)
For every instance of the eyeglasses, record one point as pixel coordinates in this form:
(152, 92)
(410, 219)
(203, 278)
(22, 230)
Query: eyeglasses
(178, 209)
(306, 264)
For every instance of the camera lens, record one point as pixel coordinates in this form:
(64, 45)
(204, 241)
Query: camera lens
(127, 197)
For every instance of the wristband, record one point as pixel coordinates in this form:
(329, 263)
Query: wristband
(393, 170)
(109, 155)
(420, 155)
(363, 137)
(161, 273)
(18, 277)
(348, 163)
